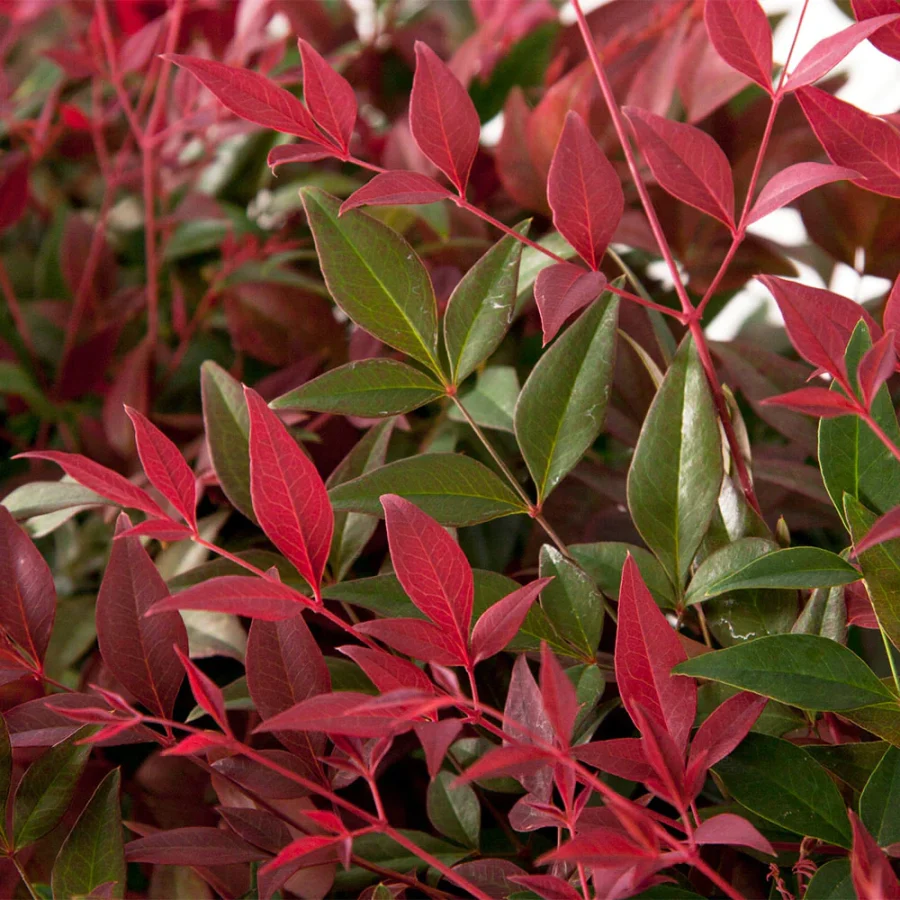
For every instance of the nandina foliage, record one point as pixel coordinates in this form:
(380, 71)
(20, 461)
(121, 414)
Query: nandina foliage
(629, 625)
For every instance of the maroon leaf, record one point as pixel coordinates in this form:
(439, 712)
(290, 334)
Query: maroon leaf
(442, 117)
(297, 153)
(791, 183)
(432, 568)
(558, 694)
(886, 528)
(887, 40)
(855, 139)
(739, 30)
(14, 192)
(284, 667)
(27, 592)
(620, 756)
(647, 648)
(251, 96)
(139, 651)
(498, 624)
(239, 595)
(165, 466)
(418, 639)
(687, 163)
(257, 826)
(831, 50)
(584, 192)
(892, 314)
(549, 887)
(870, 869)
(289, 496)
(876, 366)
(733, 830)
(329, 96)
(300, 848)
(191, 847)
(859, 605)
(814, 401)
(560, 291)
(206, 692)
(388, 672)
(98, 478)
(436, 738)
(396, 189)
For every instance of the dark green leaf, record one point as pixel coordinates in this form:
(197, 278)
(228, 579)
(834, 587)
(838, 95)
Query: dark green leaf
(785, 785)
(492, 403)
(879, 805)
(747, 615)
(372, 388)
(571, 601)
(825, 613)
(562, 405)
(453, 489)
(375, 277)
(47, 788)
(676, 472)
(15, 382)
(94, 852)
(832, 881)
(604, 560)
(480, 309)
(882, 719)
(802, 670)
(227, 434)
(723, 563)
(851, 763)
(454, 811)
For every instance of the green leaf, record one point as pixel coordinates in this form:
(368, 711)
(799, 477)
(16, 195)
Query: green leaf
(94, 852)
(347, 676)
(351, 530)
(802, 670)
(785, 785)
(882, 719)
(6, 761)
(492, 403)
(227, 434)
(481, 306)
(562, 405)
(604, 560)
(372, 388)
(879, 805)
(825, 613)
(676, 471)
(571, 601)
(796, 568)
(852, 459)
(853, 763)
(16, 382)
(454, 811)
(453, 489)
(47, 788)
(375, 277)
(880, 567)
(832, 881)
(37, 498)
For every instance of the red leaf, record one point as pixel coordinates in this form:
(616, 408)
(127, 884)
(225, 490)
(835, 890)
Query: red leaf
(831, 50)
(442, 117)
(138, 650)
(733, 830)
(196, 743)
(498, 624)
(549, 887)
(664, 757)
(876, 366)
(329, 96)
(191, 847)
(297, 153)
(289, 496)
(887, 40)
(859, 605)
(687, 163)
(103, 481)
(560, 291)
(892, 314)
(739, 30)
(601, 848)
(284, 667)
(436, 738)
(855, 139)
(886, 528)
(621, 756)
(870, 869)
(165, 466)
(396, 189)
(14, 192)
(719, 734)
(558, 694)
(814, 401)
(205, 691)
(527, 722)
(432, 568)
(27, 592)
(239, 595)
(298, 849)
(647, 648)
(159, 529)
(513, 761)
(251, 96)
(584, 192)
(791, 183)
(418, 639)
(388, 672)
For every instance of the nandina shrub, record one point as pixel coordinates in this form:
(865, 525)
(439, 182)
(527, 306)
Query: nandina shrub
(628, 627)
